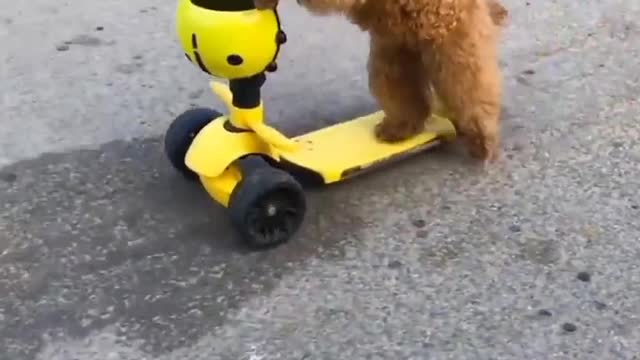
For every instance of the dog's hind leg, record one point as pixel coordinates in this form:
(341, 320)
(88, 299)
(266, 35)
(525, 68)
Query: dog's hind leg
(467, 77)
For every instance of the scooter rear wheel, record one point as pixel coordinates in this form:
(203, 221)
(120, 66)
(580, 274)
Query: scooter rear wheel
(267, 207)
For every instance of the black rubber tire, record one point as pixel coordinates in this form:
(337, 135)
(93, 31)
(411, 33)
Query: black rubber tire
(181, 133)
(267, 207)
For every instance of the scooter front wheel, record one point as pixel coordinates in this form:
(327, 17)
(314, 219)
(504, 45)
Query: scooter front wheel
(267, 207)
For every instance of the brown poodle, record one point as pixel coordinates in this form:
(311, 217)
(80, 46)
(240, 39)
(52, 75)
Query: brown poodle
(417, 46)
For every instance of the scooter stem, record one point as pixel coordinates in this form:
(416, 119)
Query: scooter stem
(252, 119)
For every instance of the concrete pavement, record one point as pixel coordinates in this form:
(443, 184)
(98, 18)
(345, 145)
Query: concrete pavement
(105, 253)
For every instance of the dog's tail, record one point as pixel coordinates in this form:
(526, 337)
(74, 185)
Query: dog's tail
(499, 14)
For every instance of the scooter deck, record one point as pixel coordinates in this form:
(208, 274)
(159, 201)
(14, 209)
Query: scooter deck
(349, 148)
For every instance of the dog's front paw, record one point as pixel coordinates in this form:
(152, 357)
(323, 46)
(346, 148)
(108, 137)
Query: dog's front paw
(390, 132)
(265, 4)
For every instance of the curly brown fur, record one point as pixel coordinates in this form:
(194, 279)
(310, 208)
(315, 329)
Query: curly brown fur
(416, 45)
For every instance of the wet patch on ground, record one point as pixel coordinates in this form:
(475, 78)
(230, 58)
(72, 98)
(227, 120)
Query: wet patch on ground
(94, 238)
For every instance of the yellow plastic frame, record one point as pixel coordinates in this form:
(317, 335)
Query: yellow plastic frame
(334, 153)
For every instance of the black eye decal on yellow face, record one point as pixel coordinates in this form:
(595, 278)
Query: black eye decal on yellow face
(234, 60)
(225, 5)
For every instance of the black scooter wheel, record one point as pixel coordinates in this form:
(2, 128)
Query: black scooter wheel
(181, 133)
(267, 207)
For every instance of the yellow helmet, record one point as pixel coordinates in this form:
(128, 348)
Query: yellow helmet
(229, 38)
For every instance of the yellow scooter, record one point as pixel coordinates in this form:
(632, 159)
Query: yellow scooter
(244, 164)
